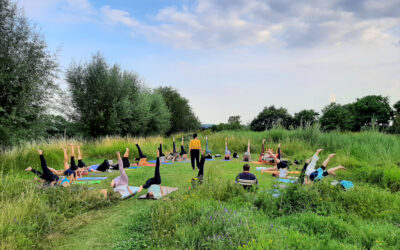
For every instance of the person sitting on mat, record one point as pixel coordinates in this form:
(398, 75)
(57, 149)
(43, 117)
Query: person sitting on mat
(120, 183)
(194, 151)
(247, 155)
(174, 155)
(183, 153)
(227, 155)
(153, 185)
(48, 177)
(247, 176)
(142, 157)
(208, 151)
(317, 174)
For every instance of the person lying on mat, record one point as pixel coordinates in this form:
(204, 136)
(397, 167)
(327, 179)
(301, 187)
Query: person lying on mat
(183, 153)
(312, 174)
(125, 161)
(246, 155)
(227, 155)
(69, 170)
(174, 155)
(247, 176)
(208, 151)
(142, 157)
(120, 183)
(154, 184)
(280, 166)
(47, 176)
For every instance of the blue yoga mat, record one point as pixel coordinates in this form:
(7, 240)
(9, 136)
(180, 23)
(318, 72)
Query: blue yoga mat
(91, 178)
(154, 161)
(286, 180)
(210, 159)
(133, 167)
(226, 160)
(260, 168)
(94, 167)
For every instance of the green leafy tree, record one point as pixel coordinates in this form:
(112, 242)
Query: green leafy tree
(336, 117)
(182, 115)
(106, 98)
(27, 71)
(234, 119)
(396, 119)
(269, 117)
(371, 109)
(305, 117)
(159, 115)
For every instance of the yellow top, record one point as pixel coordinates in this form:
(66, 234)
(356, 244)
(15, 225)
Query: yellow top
(195, 144)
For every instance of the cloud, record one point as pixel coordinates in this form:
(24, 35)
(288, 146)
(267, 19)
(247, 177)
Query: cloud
(224, 23)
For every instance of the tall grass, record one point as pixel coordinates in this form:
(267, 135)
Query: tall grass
(218, 214)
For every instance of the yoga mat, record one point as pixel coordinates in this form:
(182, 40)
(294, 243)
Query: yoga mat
(154, 161)
(87, 182)
(125, 192)
(210, 159)
(166, 191)
(226, 160)
(256, 162)
(134, 167)
(261, 168)
(286, 180)
(147, 165)
(91, 178)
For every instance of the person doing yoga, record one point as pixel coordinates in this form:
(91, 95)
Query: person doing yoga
(125, 161)
(162, 155)
(208, 151)
(142, 157)
(120, 183)
(68, 171)
(247, 155)
(154, 184)
(194, 151)
(183, 153)
(227, 155)
(317, 174)
(174, 155)
(47, 176)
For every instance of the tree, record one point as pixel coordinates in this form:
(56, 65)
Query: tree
(159, 115)
(27, 71)
(305, 117)
(234, 119)
(269, 117)
(371, 108)
(182, 116)
(336, 117)
(396, 119)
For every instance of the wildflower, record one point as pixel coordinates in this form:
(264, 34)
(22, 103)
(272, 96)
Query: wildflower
(226, 210)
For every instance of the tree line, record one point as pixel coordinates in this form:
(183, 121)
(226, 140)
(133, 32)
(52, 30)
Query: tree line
(101, 99)
(369, 112)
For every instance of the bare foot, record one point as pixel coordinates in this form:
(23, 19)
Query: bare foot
(319, 151)
(40, 151)
(332, 155)
(127, 150)
(28, 169)
(118, 154)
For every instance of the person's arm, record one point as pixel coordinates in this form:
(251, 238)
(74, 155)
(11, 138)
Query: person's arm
(161, 190)
(130, 190)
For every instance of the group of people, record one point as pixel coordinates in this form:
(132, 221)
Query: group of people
(72, 171)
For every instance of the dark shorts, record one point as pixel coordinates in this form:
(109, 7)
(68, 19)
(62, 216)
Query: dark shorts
(81, 164)
(69, 172)
(318, 174)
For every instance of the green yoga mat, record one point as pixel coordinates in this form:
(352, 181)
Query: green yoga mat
(88, 182)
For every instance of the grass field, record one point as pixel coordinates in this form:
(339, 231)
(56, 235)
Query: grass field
(217, 214)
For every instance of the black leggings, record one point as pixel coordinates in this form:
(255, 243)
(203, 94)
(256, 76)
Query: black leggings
(161, 153)
(47, 174)
(125, 162)
(201, 168)
(156, 180)
(194, 155)
(141, 155)
(173, 148)
(104, 166)
(279, 153)
(183, 151)
(38, 173)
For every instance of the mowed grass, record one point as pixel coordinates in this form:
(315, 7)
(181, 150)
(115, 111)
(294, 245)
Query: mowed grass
(217, 214)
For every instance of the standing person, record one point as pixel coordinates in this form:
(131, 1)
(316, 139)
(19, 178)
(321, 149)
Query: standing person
(194, 150)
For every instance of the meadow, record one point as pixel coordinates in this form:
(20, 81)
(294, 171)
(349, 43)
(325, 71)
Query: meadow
(217, 214)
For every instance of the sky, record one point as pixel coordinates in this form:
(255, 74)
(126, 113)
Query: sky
(234, 57)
